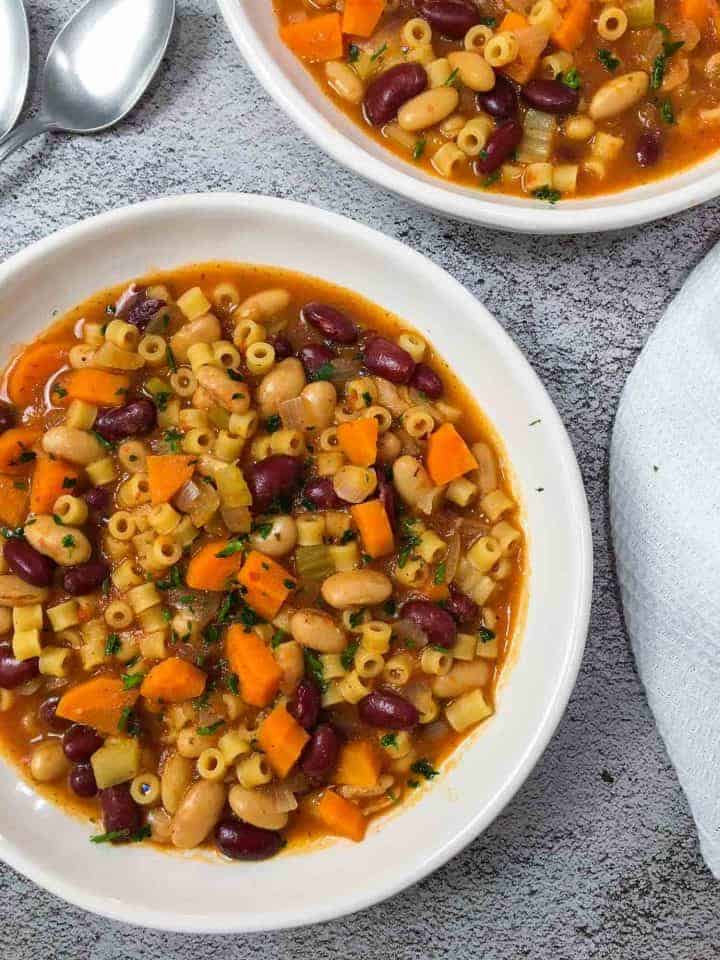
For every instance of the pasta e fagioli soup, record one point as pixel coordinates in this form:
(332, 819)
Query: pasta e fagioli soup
(261, 561)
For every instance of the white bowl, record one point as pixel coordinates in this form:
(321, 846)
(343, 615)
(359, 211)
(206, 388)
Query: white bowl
(202, 893)
(254, 28)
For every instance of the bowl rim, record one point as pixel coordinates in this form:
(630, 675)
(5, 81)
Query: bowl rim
(618, 210)
(578, 514)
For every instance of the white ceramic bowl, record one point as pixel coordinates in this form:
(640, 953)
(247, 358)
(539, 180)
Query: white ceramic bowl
(254, 28)
(144, 886)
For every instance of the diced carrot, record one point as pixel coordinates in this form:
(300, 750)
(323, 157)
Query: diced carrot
(282, 738)
(16, 454)
(267, 584)
(571, 30)
(358, 440)
(374, 526)
(257, 669)
(361, 17)
(52, 478)
(99, 387)
(208, 571)
(13, 500)
(167, 474)
(448, 456)
(33, 368)
(99, 703)
(359, 764)
(531, 43)
(173, 681)
(316, 39)
(435, 591)
(701, 12)
(341, 817)
(512, 22)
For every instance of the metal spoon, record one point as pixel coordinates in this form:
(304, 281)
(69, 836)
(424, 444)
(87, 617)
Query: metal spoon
(98, 67)
(15, 58)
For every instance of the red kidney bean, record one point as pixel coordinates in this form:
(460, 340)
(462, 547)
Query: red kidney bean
(14, 672)
(502, 101)
(313, 356)
(28, 563)
(243, 841)
(283, 347)
(82, 780)
(85, 577)
(131, 420)
(386, 495)
(384, 708)
(120, 812)
(551, 96)
(305, 703)
(460, 606)
(503, 140)
(47, 711)
(425, 379)
(80, 743)
(98, 499)
(7, 417)
(437, 624)
(320, 492)
(331, 323)
(385, 96)
(140, 314)
(386, 359)
(321, 752)
(647, 150)
(453, 18)
(278, 475)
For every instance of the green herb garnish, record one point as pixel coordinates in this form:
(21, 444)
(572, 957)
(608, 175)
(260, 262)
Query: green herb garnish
(571, 78)
(419, 149)
(606, 58)
(439, 574)
(450, 82)
(314, 667)
(378, 53)
(273, 423)
(353, 53)
(68, 541)
(347, 657)
(142, 834)
(424, 768)
(388, 740)
(132, 680)
(548, 194)
(173, 439)
(170, 358)
(485, 635)
(112, 644)
(210, 729)
(667, 114)
(324, 372)
(102, 441)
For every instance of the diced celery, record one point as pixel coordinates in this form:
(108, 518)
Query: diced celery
(314, 563)
(640, 13)
(538, 132)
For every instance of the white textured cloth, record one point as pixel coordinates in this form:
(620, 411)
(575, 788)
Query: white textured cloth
(665, 513)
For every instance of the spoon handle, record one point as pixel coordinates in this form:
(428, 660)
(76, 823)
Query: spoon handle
(20, 135)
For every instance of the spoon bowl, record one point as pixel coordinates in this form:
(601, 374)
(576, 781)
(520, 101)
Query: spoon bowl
(98, 67)
(15, 58)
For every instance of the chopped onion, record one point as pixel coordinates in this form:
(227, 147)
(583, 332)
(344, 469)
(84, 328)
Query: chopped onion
(127, 299)
(389, 397)
(538, 133)
(282, 797)
(344, 369)
(452, 557)
(409, 632)
(293, 413)
(186, 496)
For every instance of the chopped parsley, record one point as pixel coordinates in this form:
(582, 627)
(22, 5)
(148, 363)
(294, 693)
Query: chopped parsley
(347, 657)
(667, 114)
(353, 53)
(273, 423)
(547, 193)
(233, 684)
(324, 372)
(173, 438)
(492, 178)
(277, 638)
(142, 834)
(211, 633)
(17, 534)
(174, 580)
(170, 358)
(419, 149)
(112, 644)
(356, 618)
(27, 456)
(234, 546)
(485, 635)
(289, 584)
(102, 441)
(408, 542)
(21, 484)
(314, 667)
(68, 483)
(571, 78)
(439, 574)
(657, 73)
(388, 740)
(59, 390)
(606, 58)
(68, 541)
(132, 680)
(263, 529)
(390, 607)
(488, 21)
(450, 82)
(161, 400)
(128, 723)
(424, 768)
(348, 536)
(367, 399)
(378, 53)
(210, 729)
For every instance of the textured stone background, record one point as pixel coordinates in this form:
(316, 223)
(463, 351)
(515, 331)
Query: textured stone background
(596, 857)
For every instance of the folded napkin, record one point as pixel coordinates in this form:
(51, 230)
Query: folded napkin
(665, 514)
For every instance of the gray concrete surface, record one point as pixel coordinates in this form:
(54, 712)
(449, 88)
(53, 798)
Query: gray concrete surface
(597, 856)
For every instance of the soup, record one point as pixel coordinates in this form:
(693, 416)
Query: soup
(551, 99)
(261, 561)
